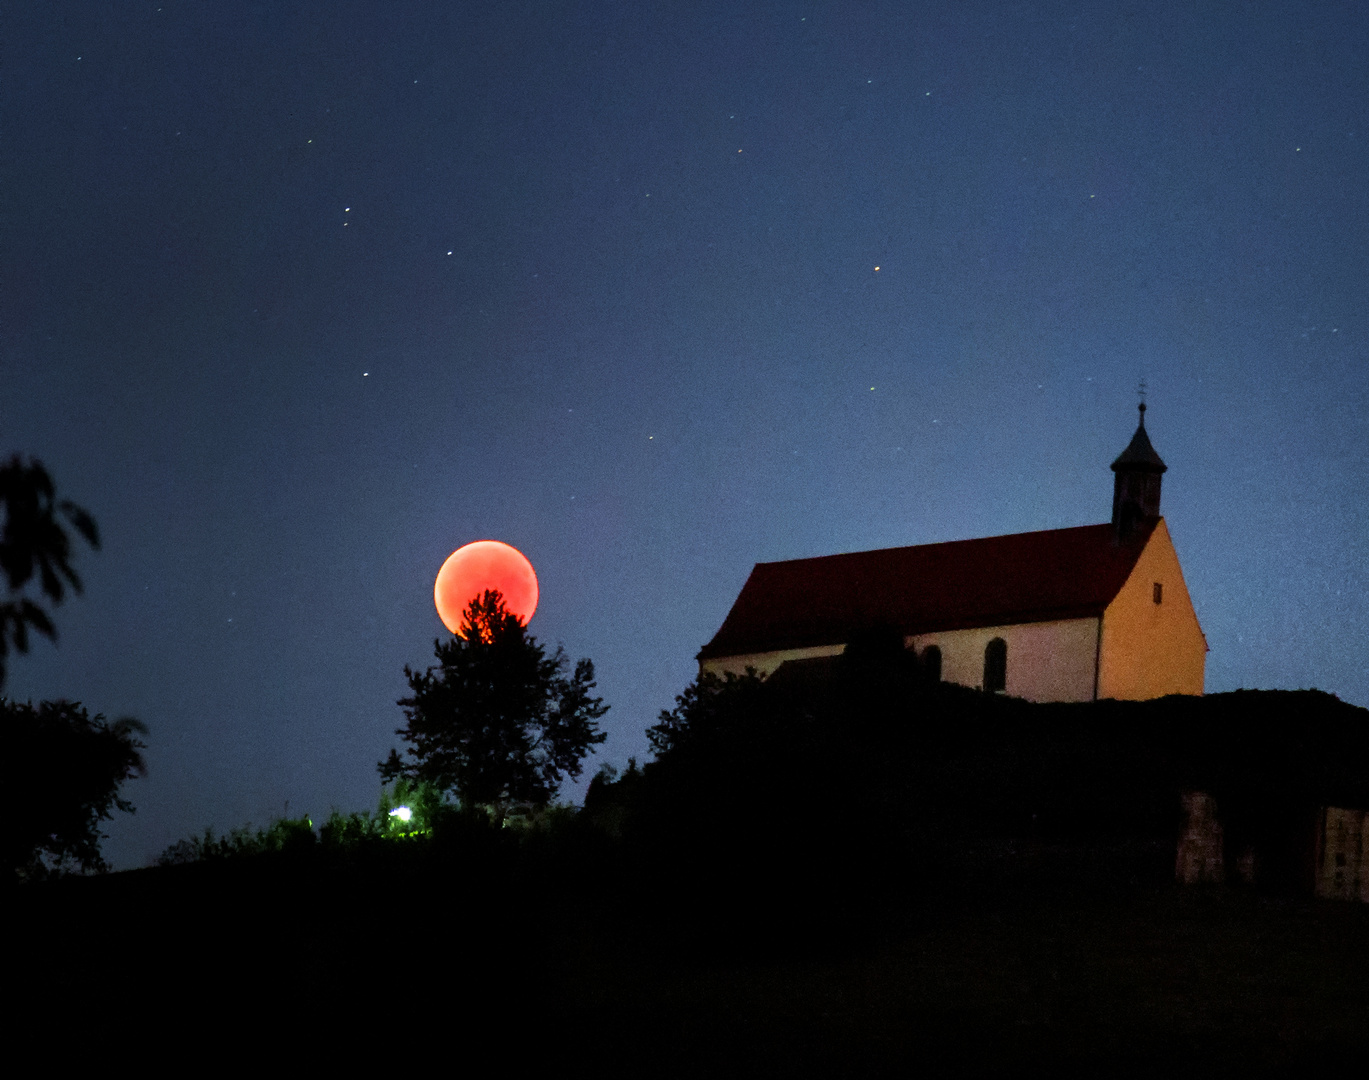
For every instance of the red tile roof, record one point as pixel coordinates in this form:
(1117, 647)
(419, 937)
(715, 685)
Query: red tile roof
(997, 581)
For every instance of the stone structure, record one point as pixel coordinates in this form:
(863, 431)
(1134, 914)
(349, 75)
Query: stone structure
(1099, 611)
(1200, 858)
(1342, 863)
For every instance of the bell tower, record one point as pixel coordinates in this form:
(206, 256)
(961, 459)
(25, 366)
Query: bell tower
(1136, 483)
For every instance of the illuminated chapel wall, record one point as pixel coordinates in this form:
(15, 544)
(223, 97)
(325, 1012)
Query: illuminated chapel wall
(1047, 661)
(765, 663)
(1149, 649)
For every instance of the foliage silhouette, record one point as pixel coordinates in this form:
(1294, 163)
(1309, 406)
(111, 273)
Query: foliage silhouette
(497, 722)
(344, 838)
(288, 837)
(73, 766)
(762, 821)
(340, 832)
(708, 708)
(210, 847)
(34, 542)
(427, 806)
(946, 775)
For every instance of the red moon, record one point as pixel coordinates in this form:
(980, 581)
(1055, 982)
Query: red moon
(485, 564)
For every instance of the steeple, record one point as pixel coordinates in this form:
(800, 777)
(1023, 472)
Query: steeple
(1136, 483)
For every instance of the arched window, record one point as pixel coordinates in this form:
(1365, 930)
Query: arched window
(996, 666)
(931, 663)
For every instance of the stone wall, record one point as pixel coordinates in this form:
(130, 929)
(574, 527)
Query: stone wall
(1341, 863)
(1342, 858)
(1200, 858)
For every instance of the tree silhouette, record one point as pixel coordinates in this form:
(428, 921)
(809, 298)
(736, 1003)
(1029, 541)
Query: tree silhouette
(497, 722)
(34, 542)
(72, 766)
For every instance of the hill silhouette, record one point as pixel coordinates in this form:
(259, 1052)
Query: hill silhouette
(810, 878)
(867, 784)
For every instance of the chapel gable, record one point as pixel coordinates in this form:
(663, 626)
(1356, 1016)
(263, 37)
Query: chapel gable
(1057, 615)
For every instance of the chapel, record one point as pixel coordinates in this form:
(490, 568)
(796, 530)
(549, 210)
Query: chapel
(1079, 614)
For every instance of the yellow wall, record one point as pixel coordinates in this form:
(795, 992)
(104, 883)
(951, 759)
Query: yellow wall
(1149, 649)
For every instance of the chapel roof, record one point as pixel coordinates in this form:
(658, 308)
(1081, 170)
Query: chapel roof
(996, 581)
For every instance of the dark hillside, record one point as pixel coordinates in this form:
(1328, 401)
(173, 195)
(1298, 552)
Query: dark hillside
(834, 792)
(803, 884)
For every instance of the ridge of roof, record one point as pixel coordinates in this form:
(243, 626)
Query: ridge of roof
(953, 585)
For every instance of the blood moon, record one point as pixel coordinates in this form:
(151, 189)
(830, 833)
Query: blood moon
(485, 564)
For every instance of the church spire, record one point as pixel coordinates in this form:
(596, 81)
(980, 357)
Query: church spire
(1136, 483)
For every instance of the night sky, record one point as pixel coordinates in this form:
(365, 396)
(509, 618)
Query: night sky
(298, 298)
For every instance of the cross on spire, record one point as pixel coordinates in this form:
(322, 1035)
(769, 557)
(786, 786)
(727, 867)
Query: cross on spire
(1141, 393)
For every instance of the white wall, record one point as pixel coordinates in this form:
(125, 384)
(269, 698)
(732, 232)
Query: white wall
(765, 663)
(1047, 661)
